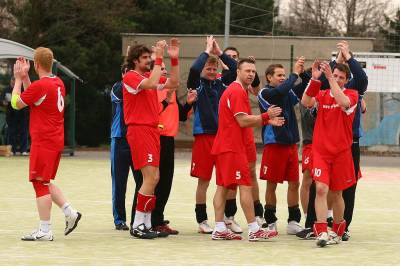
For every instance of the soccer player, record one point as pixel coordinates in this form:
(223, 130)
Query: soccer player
(280, 159)
(203, 78)
(229, 146)
(121, 158)
(358, 82)
(45, 98)
(333, 169)
(230, 206)
(141, 113)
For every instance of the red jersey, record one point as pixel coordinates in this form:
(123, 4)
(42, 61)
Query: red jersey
(230, 136)
(45, 98)
(141, 107)
(333, 130)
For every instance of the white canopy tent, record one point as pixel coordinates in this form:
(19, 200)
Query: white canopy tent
(10, 50)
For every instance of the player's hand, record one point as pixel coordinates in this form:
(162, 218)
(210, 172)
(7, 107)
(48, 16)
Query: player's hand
(326, 68)
(159, 48)
(209, 44)
(18, 72)
(315, 69)
(277, 121)
(173, 48)
(340, 58)
(216, 49)
(25, 65)
(191, 96)
(299, 65)
(274, 111)
(344, 48)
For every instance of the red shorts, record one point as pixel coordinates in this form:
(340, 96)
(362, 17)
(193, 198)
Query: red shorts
(230, 175)
(144, 142)
(202, 160)
(280, 163)
(43, 163)
(306, 158)
(335, 171)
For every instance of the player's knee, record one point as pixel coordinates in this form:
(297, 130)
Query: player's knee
(321, 189)
(203, 184)
(41, 188)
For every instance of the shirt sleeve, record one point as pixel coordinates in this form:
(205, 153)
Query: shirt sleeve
(132, 81)
(353, 97)
(238, 102)
(34, 94)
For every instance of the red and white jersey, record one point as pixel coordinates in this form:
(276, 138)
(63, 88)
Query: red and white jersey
(333, 130)
(45, 98)
(141, 107)
(230, 136)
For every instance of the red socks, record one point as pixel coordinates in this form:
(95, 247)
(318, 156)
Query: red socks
(339, 228)
(145, 203)
(320, 228)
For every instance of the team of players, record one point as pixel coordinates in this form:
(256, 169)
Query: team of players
(223, 134)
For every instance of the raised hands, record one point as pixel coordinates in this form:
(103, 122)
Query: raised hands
(216, 49)
(209, 44)
(191, 96)
(326, 68)
(173, 48)
(299, 65)
(274, 111)
(315, 70)
(212, 46)
(344, 49)
(159, 49)
(21, 68)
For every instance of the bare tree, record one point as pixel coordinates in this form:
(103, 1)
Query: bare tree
(335, 17)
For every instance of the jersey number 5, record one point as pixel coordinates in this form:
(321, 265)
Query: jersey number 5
(60, 100)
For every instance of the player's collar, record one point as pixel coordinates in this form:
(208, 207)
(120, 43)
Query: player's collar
(241, 85)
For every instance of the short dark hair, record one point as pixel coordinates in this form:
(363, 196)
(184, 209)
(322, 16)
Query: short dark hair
(271, 70)
(134, 53)
(343, 68)
(245, 60)
(232, 48)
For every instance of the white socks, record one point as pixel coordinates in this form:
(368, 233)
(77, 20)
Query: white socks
(67, 209)
(147, 220)
(220, 226)
(253, 227)
(45, 226)
(140, 218)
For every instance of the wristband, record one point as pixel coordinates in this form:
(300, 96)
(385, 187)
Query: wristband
(14, 98)
(174, 61)
(158, 61)
(265, 118)
(313, 88)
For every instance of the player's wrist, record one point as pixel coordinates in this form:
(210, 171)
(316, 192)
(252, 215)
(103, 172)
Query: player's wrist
(265, 118)
(158, 61)
(174, 61)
